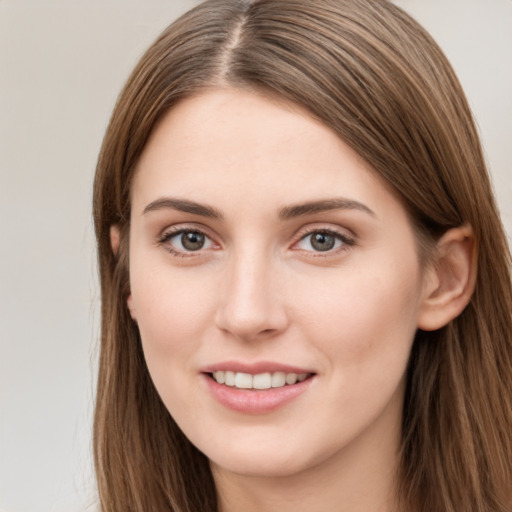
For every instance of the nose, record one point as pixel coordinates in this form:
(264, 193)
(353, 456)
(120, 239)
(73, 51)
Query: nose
(252, 302)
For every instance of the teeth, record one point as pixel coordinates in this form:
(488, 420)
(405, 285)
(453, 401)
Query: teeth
(260, 381)
(278, 379)
(243, 380)
(219, 377)
(291, 378)
(229, 378)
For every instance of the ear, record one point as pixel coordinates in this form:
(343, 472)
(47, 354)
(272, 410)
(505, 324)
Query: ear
(450, 280)
(115, 237)
(131, 307)
(115, 240)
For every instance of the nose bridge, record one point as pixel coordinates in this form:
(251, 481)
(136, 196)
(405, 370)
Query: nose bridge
(251, 304)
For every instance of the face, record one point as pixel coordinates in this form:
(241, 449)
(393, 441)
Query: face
(276, 285)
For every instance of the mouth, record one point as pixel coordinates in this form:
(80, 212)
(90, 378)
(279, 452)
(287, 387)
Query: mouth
(257, 387)
(259, 381)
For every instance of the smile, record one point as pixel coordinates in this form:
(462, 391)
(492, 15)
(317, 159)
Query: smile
(259, 381)
(257, 393)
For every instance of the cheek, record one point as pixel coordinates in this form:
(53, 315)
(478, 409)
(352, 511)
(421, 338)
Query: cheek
(173, 313)
(364, 320)
(363, 330)
(172, 310)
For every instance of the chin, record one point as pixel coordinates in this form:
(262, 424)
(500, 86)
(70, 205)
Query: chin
(264, 460)
(262, 466)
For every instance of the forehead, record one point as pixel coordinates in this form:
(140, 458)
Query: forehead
(225, 142)
(249, 124)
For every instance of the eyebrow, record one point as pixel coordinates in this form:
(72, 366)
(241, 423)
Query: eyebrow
(183, 205)
(285, 213)
(312, 207)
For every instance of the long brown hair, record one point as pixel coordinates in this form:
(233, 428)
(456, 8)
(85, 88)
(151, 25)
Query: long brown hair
(375, 77)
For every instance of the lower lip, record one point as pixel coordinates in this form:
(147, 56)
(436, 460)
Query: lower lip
(255, 401)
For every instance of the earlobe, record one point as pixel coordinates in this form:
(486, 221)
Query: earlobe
(131, 307)
(451, 279)
(115, 238)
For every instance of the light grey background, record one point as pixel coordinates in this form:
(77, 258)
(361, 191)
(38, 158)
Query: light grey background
(62, 63)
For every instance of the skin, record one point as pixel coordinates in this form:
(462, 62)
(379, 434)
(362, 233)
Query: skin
(259, 291)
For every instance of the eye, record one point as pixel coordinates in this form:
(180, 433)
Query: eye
(323, 241)
(186, 240)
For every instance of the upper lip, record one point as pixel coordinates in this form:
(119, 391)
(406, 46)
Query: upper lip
(254, 368)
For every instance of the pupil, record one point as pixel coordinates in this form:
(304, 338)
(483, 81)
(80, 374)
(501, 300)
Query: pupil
(192, 241)
(322, 241)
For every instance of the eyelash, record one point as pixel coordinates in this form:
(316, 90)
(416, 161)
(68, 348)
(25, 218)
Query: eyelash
(164, 241)
(345, 240)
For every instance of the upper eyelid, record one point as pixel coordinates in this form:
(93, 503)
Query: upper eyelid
(320, 227)
(181, 228)
(165, 235)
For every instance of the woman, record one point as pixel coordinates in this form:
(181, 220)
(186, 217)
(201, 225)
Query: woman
(306, 293)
